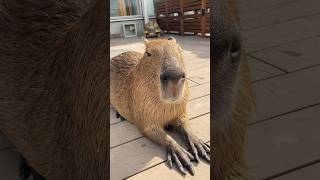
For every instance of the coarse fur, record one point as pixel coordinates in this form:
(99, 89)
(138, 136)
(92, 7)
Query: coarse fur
(151, 91)
(135, 86)
(233, 101)
(53, 85)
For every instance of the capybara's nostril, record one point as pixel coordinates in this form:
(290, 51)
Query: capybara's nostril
(172, 76)
(183, 77)
(164, 77)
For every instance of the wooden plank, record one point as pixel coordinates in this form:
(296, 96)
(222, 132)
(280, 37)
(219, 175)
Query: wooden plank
(293, 56)
(195, 72)
(202, 171)
(274, 14)
(201, 79)
(198, 66)
(195, 107)
(278, 34)
(192, 84)
(136, 156)
(190, 61)
(287, 93)
(199, 106)
(308, 173)
(200, 90)
(123, 132)
(260, 70)
(283, 143)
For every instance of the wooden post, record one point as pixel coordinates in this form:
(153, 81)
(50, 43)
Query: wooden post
(167, 17)
(203, 18)
(181, 18)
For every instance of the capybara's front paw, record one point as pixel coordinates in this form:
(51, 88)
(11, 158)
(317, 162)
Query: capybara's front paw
(180, 157)
(198, 147)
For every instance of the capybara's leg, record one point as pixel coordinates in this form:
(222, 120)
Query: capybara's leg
(175, 153)
(197, 146)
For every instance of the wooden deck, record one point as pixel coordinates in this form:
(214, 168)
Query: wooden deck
(135, 157)
(282, 39)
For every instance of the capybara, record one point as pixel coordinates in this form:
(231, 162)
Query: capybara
(151, 91)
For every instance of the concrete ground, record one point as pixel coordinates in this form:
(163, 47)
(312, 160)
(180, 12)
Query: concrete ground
(282, 40)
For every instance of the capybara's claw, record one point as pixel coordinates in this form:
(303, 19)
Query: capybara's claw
(198, 147)
(181, 158)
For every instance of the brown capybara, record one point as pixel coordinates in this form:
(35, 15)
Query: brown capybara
(232, 95)
(54, 85)
(151, 91)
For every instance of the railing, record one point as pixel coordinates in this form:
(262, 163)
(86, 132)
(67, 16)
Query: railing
(183, 16)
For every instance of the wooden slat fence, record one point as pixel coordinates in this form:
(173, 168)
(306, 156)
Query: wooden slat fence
(183, 16)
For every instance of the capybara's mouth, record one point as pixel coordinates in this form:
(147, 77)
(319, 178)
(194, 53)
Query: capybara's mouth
(171, 96)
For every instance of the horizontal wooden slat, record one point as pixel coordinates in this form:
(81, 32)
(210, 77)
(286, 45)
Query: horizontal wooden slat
(200, 90)
(202, 172)
(203, 78)
(198, 65)
(282, 33)
(308, 173)
(138, 155)
(260, 70)
(199, 71)
(283, 143)
(287, 93)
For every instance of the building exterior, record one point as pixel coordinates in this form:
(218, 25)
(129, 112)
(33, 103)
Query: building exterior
(127, 17)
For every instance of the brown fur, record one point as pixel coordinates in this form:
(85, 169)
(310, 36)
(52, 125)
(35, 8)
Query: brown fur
(233, 99)
(135, 88)
(53, 71)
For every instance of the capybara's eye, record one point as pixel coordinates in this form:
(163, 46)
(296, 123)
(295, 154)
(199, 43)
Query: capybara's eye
(148, 54)
(235, 49)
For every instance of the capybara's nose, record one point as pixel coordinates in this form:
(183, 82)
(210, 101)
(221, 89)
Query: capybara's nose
(173, 76)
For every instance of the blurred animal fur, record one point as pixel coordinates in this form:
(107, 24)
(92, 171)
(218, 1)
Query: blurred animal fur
(232, 95)
(53, 85)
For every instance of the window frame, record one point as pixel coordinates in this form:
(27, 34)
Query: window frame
(128, 18)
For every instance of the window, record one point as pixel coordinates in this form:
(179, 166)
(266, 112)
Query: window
(150, 7)
(124, 8)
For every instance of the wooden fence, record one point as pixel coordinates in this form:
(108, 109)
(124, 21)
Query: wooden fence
(183, 16)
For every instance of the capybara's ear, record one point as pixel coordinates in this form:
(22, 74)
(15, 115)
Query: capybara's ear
(172, 39)
(145, 40)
